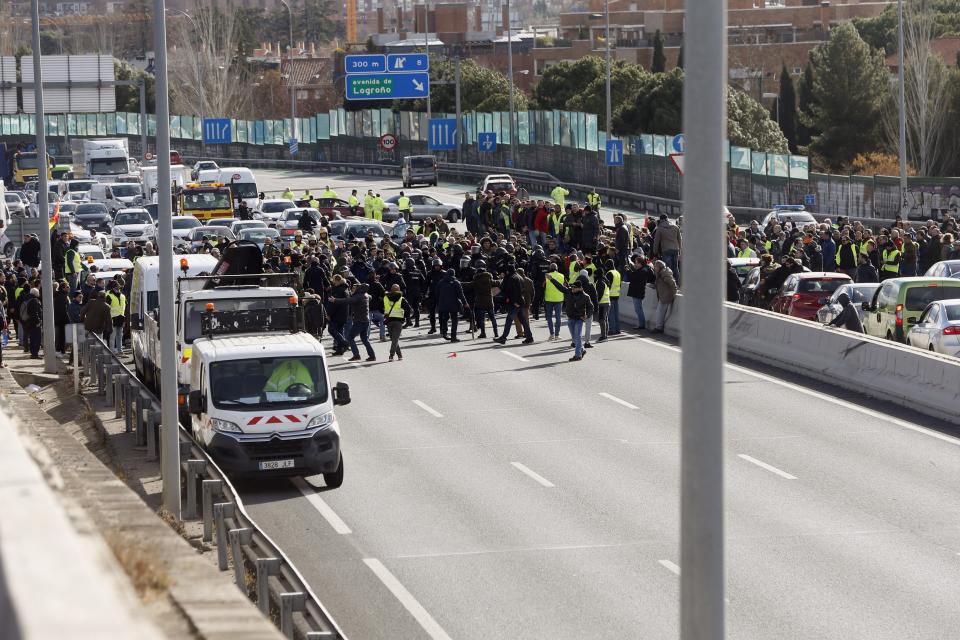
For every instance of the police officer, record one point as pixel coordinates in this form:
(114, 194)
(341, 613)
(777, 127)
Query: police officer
(395, 310)
(559, 195)
(368, 204)
(118, 309)
(328, 192)
(614, 278)
(404, 206)
(72, 265)
(287, 195)
(593, 199)
(378, 206)
(354, 202)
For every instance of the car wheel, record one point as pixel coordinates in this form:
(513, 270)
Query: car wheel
(335, 479)
(453, 216)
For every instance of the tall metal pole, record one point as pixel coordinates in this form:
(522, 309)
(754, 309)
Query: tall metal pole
(46, 256)
(169, 436)
(606, 14)
(143, 116)
(293, 89)
(903, 114)
(703, 325)
(456, 95)
(426, 48)
(513, 150)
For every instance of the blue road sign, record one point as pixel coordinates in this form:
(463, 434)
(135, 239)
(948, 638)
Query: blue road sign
(388, 86)
(810, 199)
(375, 63)
(294, 147)
(217, 131)
(614, 153)
(442, 134)
(678, 143)
(407, 62)
(487, 141)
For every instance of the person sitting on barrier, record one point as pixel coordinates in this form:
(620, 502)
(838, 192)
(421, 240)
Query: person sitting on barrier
(848, 318)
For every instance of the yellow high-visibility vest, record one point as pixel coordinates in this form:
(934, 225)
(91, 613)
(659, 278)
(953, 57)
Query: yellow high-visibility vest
(118, 304)
(286, 374)
(615, 285)
(605, 296)
(888, 261)
(72, 262)
(550, 291)
(403, 204)
(393, 309)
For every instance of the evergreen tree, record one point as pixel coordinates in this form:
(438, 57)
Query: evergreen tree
(786, 113)
(680, 58)
(659, 63)
(804, 132)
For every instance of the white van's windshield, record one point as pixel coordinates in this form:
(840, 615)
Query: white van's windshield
(268, 383)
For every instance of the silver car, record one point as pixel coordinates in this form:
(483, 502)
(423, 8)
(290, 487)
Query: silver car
(424, 206)
(938, 328)
(944, 269)
(858, 294)
(259, 235)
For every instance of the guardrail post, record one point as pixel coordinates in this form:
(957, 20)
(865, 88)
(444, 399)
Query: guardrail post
(240, 537)
(153, 418)
(185, 445)
(195, 469)
(76, 357)
(143, 407)
(99, 362)
(209, 489)
(320, 635)
(128, 392)
(91, 353)
(120, 382)
(108, 383)
(289, 603)
(222, 510)
(266, 567)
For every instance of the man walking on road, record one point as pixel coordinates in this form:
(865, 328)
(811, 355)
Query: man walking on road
(667, 243)
(512, 290)
(666, 294)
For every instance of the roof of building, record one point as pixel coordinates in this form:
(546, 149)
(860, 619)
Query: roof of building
(308, 72)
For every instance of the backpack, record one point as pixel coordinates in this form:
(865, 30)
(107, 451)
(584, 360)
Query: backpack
(24, 312)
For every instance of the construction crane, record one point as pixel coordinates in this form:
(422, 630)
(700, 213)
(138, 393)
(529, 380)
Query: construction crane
(351, 21)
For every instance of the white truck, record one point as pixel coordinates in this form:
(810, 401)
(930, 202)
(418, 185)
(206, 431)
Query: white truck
(101, 159)
(179, 176)
(241, 180)
(264, 405)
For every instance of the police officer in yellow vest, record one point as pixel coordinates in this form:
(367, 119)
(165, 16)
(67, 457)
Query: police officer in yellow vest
(553, 301)
(395, 309)
(354, 202)
(328, 192)
(307, 196)
(890, 266)
(559, 195)
(614, 280)
(314, 203)
(378, 206)
(287, 195)
(745, 251)
(72, 265)
(118, 309)
(297, 244)
(404, 207)
(593, 199)
(368, 201)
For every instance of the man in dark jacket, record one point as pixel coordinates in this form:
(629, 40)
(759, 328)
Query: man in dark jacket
(512, 290)
(640, 276)
(30, 253)
(32, 315)
(61, 298)
(358, 303)
(483, 284)
(578, 307)
(848, 318)
(338, 315)
(450, 301)
(96, 315)
(591, 230)
(866, 272)
(413, 277)
(733, 284)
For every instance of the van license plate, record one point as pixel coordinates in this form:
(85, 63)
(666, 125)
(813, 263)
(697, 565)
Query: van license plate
(269, 465)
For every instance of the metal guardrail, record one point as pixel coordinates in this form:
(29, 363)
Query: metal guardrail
(277, 588)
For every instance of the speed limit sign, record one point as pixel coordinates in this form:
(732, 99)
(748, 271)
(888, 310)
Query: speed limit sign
(388, 142)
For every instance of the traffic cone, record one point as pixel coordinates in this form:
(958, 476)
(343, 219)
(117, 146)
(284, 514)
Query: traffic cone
(452, 355)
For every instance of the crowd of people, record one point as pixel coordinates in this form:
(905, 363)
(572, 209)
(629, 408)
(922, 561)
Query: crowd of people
(517, 260)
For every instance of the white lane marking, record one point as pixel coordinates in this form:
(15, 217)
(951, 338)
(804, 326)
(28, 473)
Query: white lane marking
(768, 467)
(670, 566)
(352, 364)
(618, 400)
(433, 629)
(514, 356)
(822, 396)
(318, 503)
(533, 474)
(428, 408)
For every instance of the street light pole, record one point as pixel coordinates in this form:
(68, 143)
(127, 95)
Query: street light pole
(169, 420)
(293, 89)
(46, 255)
(902, 115)
(513, 151)
(606, 14)
(426, 48)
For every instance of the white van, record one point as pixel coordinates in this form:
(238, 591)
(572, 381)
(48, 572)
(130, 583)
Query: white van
(145, 303)
(117, 195)
(242, 183)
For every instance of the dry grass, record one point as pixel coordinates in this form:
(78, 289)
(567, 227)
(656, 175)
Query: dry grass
(140, 565)
(172, 522)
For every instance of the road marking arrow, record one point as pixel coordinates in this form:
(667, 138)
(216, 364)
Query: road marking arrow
(417, 85)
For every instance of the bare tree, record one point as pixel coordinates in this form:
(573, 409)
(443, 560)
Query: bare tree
(927, 95)
(206, 44)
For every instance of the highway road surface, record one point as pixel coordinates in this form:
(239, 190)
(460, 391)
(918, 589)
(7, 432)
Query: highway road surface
(502, 492)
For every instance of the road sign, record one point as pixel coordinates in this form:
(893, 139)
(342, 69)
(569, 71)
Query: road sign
(294, 147)
(678, 143)
(487, 141)
(677, 160)
(388, 86)
(442, 134)
(148, 156)
(365, 64)
(388, 142)
(217, 131)
(810, 199)
(614, 153)
(408, 62)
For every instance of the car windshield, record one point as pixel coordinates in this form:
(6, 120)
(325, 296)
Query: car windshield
(205, 200)
(244, 189)
(268, 383)
(80, 186)
(196, 308)
(133, 217)
(185, 223)
(12, 197)
(861, 294)
(108, 166)
(27, 160)
(125, 190)
(293, 215)
(799, 218)
(499, 186)
(820, 285)
(276, 207)
(248, 224)
(93, 209)
(919, 297)
(259, 235)
(361, 230)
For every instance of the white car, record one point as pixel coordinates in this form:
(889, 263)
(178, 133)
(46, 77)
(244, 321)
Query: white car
(270, 210)
(182, 225)
(202, 165)
(938, 328)
(108, 264)
(238, 225)
(499, 183)
(944, 269)
(15, 206)
(289, 223)
(76, 190)
(425, 205)
(133, 225)
(91, 251)
(792, 213)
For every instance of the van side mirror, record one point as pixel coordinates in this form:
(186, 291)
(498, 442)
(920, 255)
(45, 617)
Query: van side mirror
(341, 393)
(136, 321)
(196, 402)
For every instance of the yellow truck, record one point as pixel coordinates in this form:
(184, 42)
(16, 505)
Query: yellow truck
(206, 201)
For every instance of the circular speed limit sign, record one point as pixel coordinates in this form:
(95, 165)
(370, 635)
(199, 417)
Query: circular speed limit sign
(388, 142)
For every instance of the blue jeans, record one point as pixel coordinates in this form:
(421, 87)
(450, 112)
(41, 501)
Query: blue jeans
(512, 313)
(553, 317)
(671, 258)
(638, 309)
(478, 317)
(116, 339)
(377, 318)
(576, 329)
(613, 318)
(537, 238)
(361, 330)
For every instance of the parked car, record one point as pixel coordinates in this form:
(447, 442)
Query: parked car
(182, 225)
(203, 165)
(793, 213)
(424, 206)
(938, 328)
(91, 252)
(944, 269)
(803, 294)
(133, 224)
(419, 170)
(91, 265)
(92, 215)
(15, 206)
(743, 266)
(259, 235)
(858, 293)
(239, 225)
(220, 222)
(898, 303)
(500, 184)
(270, 210)
(288, 224)
(211, 233)
(356, 230)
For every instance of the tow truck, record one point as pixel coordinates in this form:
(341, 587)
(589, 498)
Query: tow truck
(206, 201)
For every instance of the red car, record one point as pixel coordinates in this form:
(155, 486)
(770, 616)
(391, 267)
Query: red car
(803, 294)
(333, 207)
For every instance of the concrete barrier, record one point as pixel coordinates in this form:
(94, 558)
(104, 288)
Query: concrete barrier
(924, 382)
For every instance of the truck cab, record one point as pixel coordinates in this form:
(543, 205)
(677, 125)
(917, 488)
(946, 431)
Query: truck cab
(264, 405)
